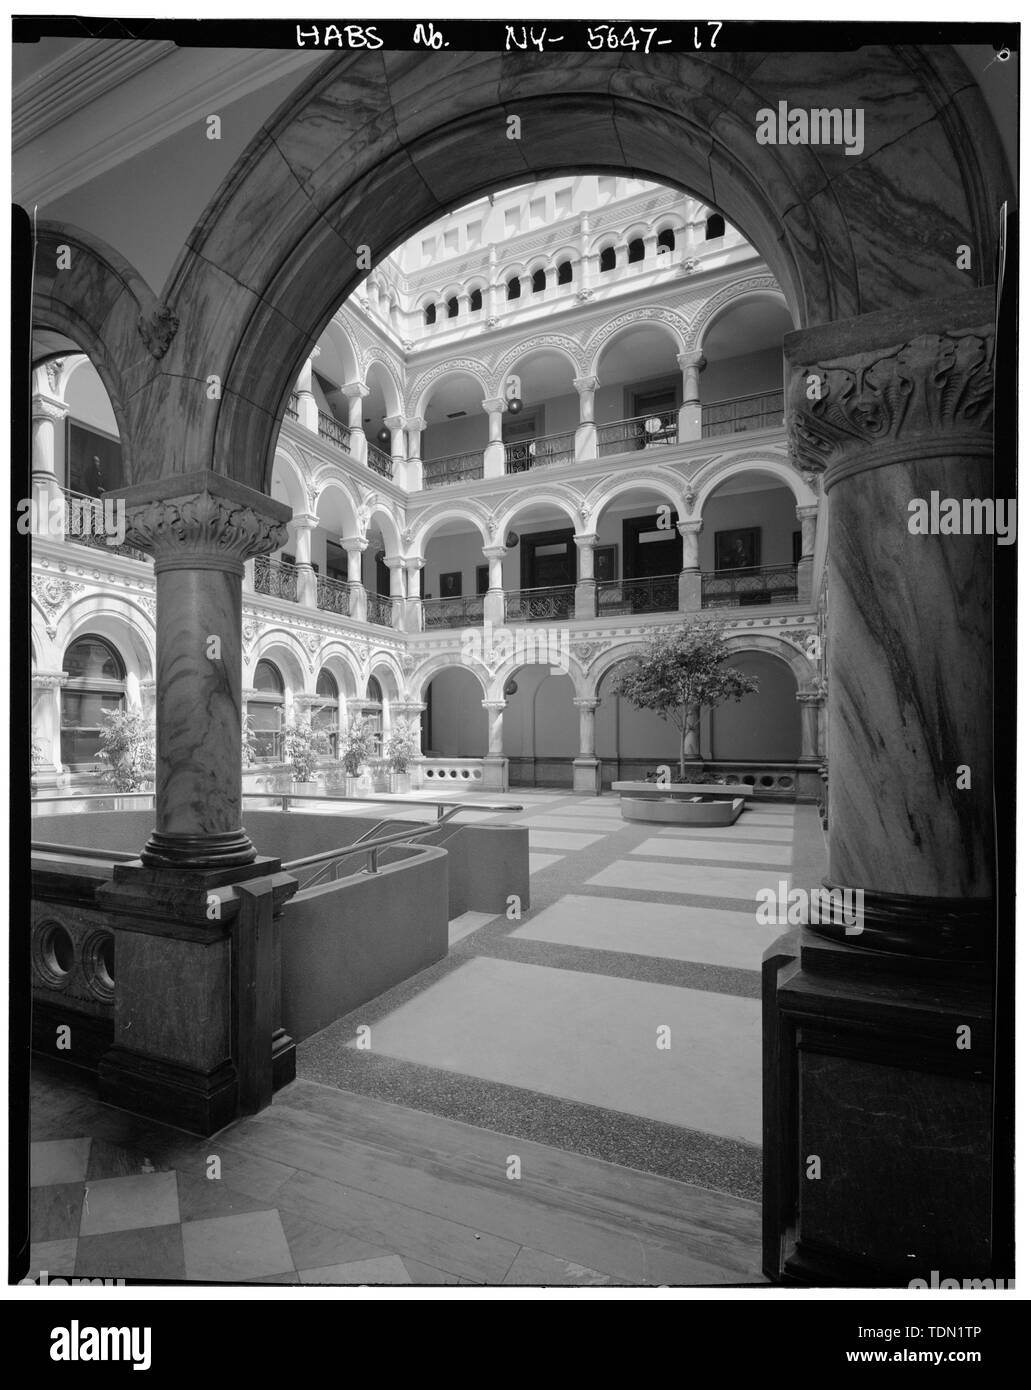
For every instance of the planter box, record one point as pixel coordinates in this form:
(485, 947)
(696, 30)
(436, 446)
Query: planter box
(682, 789)
(400, 783)
(671, 810)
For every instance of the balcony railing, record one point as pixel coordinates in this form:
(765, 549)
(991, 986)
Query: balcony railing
(746, 587)
(333, 595)
(452, 612)
(455, 468)
(85, 520)
(331, 428)
(275, 578)
(764, 411)
(380, 462)
(379, 609)
(538, 605)
(293, 407)
(537, 453)
(655, 431)
(657, 594)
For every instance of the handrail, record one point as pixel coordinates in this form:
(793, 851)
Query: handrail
(82, 851)
(87, 796)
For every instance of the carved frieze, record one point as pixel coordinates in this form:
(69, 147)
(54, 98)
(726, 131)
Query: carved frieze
(206, 524)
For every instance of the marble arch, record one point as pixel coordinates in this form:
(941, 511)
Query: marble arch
(125, 624)
(565, 346)
(672, 323)
(801, 667)
(740, 292)
(340, 662)
(423, 387)
(720, 471)
(284, 649)
(426, 522)
(419, 680)
(564, 499)
(669, 486)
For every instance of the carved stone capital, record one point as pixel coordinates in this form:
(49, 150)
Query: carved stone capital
(43, 408)
(878, 389)
(157, 329)
(202, 521)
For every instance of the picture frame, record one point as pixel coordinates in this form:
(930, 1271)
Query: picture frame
(739, 549)
(605, 563)
(451, 584)
(482, 578)
(93, 460)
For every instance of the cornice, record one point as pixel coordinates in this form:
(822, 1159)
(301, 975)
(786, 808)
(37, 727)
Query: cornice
(62, 87)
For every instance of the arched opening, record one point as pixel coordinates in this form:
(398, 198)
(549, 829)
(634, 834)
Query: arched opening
(763, 727)
(540, 727)
(639, 553)
(429, 315)
(456, 429)
(96, 686)
(639, 392)
(666, 240)
(635, 251)
(456, 574)
(750, 543)
(629, 742)
(265, 712)
(538, 282)
(539, 567)
(565, 273)
(513, 289)
(543, 432)
(715, 226)
(454, 723)
(452, 307)
(607, 260)
(325, 712)
(476, 302)
(373, 712)
(742, 386)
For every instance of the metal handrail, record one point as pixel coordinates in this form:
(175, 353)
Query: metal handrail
(87, 796)
(82, 852)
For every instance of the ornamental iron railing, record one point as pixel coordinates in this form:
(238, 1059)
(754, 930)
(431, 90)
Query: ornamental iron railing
(545, 450)
(654, 431)
(538, 605)
(455, 468)
(740, 588)
(764, 411)
(275, 578)
(452, 612)
(658, 593)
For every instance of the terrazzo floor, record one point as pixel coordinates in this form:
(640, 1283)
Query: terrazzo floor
(571, 1097)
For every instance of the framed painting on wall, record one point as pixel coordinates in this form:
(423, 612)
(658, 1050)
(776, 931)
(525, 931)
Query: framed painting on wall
(605, 563)
(94, 460)
(451, 584)
(738, 550)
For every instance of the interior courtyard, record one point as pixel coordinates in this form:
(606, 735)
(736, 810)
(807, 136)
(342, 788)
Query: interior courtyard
(443, 447)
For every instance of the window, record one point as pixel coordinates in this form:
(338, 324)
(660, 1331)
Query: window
(428, 248)
(538, 209)
(96, 684)
(635, 250)
(451, 239)
(325, 717)
(514, 288)
(265, 712)
(538, 282)
(476, 302)
(607, 260)
(452, 307)
(715, 227)
(667, 239)
(429, 314)
(565, 272)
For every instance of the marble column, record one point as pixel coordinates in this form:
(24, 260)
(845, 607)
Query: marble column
(622, 257)
(48, 414)
(586, 766)
(811, 702)
(307, 588)
(690, 585)
(904, 409)
(651, 246)
(413, 567)
(689, 420)
(396, 565)
(200, 527)
(307, 405)
(494, 598)
(46, 727)
(807, 516)
(358, 445)
(586, 431)
(356, 547)
(586, 597)
(495, 764)
(494, 454)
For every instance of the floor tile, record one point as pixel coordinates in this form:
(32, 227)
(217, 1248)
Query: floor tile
(123, 1204)
(55, 1211)
(461, 927)
(535, 1268)
(426, 1274)
(390, 1269)
(711, 936)
(150, 1253)
(730, 851)
(589, 824)
(232, 1249)
(313, 1246)
(762, 833)
(590, 1038)
(109, 1160)
(696, 879)
(543, 861)
(203, 1197)
(58, 1160)
(56, 1257)
(558, 839)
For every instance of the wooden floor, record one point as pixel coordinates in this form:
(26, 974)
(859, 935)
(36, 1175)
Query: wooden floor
(352, 1189)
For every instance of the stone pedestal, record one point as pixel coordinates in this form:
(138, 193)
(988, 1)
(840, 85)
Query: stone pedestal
(495, 774)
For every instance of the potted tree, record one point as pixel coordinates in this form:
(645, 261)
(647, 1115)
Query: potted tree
(683, 670)
(36, 755)
(356, 749)
(303, 745)
(402, 749)
(127, 747)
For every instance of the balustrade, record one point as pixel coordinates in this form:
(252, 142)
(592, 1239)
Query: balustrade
(655, 594)
(537, 605)
(293, 411)
(335, 431)
(454, 468)
(275, 578)
(332, 595)
(541, 451)
(379, 608)
(657, 430)
(380, 462)
(764, 411)
(739, 588)
(452, 612)
(87, 522)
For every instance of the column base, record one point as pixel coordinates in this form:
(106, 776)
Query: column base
(587, 775)
(495, 774)
(585, 599)
(946, 929)
(201, 1103)
(877, 1125)
(230, 850)
(690, 591)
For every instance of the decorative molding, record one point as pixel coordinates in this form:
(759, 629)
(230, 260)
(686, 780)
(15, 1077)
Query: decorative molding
(734, 290)
(643, 313)
(474, 365)
(201, 527)
(157, 328)
(916, 391)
